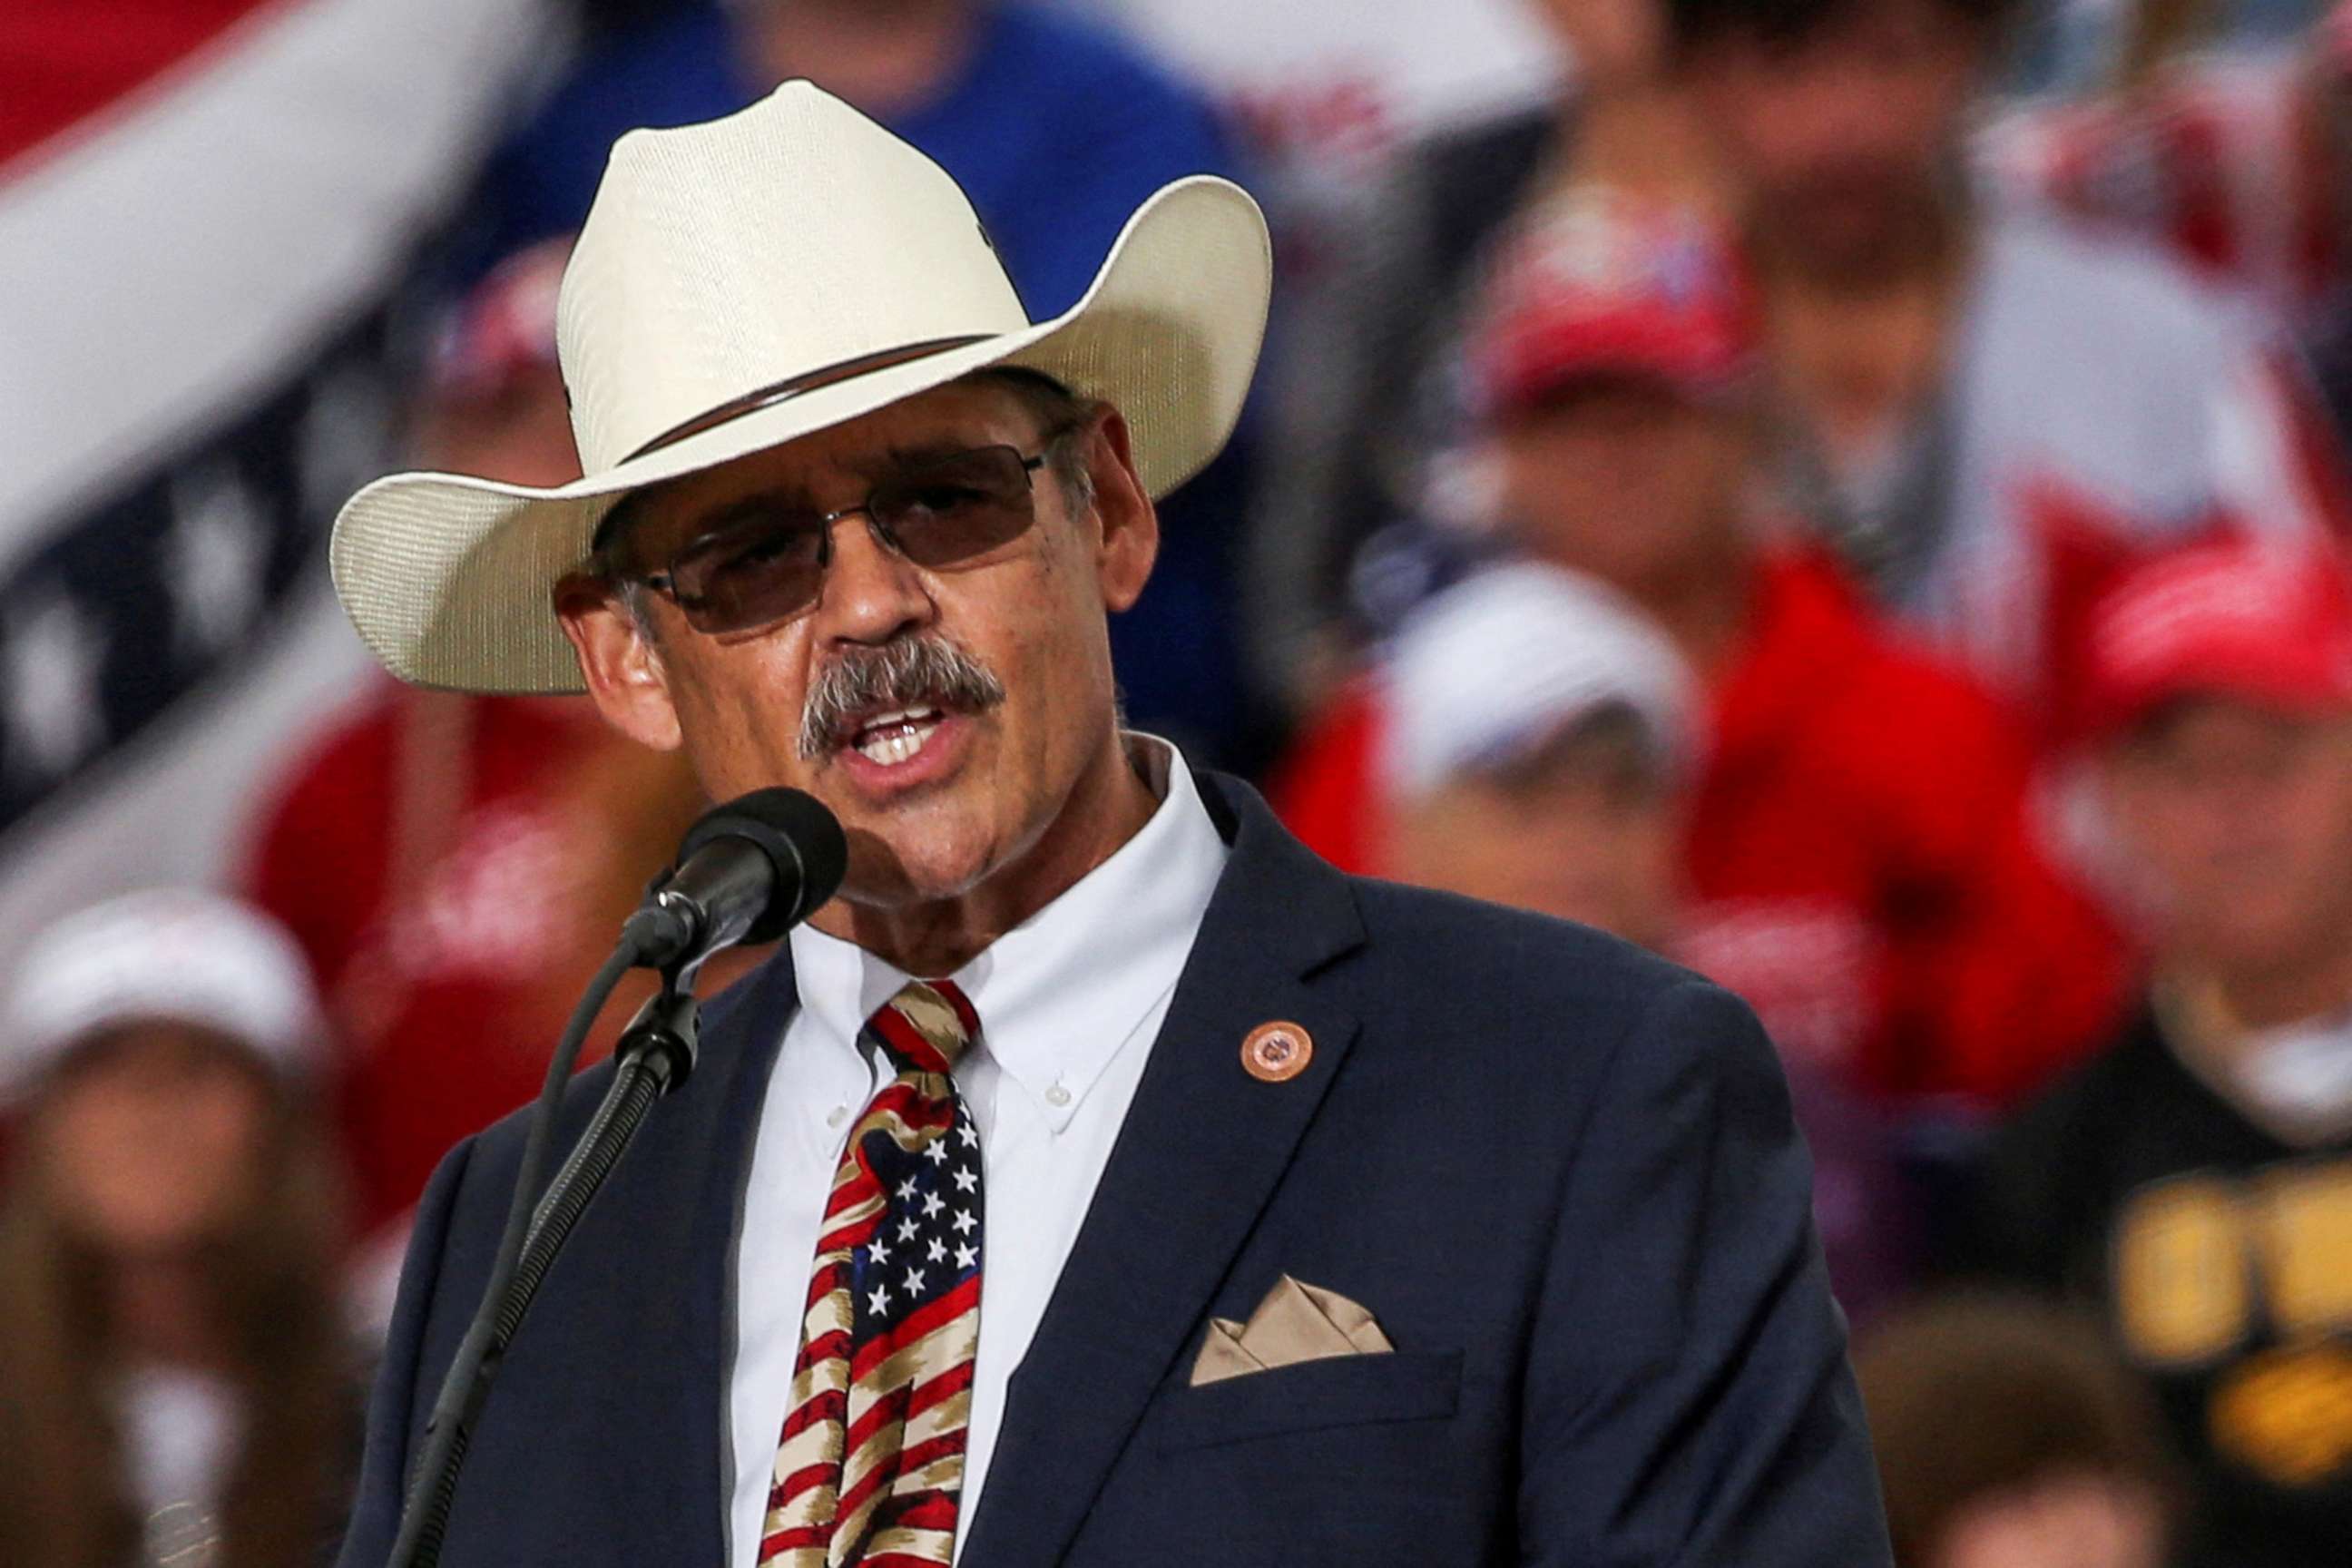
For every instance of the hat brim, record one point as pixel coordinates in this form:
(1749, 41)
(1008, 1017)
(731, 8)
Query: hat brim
(450, 579)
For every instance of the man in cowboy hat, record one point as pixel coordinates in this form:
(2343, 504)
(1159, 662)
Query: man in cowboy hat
(1101, 1177)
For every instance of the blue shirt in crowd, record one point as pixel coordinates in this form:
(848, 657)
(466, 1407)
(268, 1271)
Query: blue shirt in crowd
(1056, 130)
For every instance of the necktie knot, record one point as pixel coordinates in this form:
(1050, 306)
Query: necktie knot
(926, 1026)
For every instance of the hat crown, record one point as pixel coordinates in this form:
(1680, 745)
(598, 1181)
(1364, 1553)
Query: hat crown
(722, 259)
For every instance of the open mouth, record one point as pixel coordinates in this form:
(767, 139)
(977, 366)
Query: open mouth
(892, 739)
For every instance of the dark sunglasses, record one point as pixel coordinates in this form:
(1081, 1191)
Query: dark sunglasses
(770, 565)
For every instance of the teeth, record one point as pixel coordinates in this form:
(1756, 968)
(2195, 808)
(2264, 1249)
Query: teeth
(892, 739)
(895, 716)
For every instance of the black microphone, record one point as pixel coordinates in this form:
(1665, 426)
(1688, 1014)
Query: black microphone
(748, 872)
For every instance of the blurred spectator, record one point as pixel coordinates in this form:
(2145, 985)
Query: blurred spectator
(2008, 1436)
(1371, 365)
(2194, 1183)
(1540, 749)
(1325, 99)
(1989, 413)
(1856, 854)
(2233, 162)
(494, 397)
(174, 1385)
(1383, 136)
(1055, 128)
(456, 868)
(2237, 163)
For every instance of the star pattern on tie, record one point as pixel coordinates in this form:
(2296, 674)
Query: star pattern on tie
(928, 1230)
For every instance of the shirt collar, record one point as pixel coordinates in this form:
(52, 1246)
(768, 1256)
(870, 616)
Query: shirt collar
(1061, 993)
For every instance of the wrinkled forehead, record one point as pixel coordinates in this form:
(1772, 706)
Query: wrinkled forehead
(826, 468)
(1788, 29)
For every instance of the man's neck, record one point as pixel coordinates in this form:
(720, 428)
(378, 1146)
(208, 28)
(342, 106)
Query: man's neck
(1108, 806)
(2273, 996)
(160, 1314)
(1641, 136)
(2250, 1035)
(1704, 607)
(1858, 351)
(885, 56)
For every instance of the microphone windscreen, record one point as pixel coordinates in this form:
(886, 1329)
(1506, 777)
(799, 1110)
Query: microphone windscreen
(802, 839)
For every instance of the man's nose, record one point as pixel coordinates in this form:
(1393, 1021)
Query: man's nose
(871, 593)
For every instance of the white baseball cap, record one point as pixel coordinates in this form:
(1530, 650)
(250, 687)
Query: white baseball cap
(166, 953)
(1501, 662)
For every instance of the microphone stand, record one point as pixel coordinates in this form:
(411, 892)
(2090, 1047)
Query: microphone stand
(655, 1054)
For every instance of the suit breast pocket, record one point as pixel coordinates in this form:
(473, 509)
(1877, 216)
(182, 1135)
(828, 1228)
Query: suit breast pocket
(1336, 1391)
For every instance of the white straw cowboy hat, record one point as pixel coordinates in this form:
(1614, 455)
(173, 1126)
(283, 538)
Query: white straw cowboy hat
(744, 282)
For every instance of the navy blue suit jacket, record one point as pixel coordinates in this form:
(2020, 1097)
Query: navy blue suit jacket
(1560, 1173)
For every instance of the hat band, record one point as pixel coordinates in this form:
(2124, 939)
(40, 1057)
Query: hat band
(793, 386)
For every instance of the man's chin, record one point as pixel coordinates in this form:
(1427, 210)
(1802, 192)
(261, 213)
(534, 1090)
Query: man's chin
(891, 868)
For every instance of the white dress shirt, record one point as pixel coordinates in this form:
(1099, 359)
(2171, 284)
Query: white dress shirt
(1069, 1002)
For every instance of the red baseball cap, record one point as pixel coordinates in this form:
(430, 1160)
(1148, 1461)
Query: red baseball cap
(505, 326)
(1602, 282)
(2269, 624)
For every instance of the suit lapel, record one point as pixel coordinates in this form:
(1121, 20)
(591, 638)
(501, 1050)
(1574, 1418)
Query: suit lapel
(1203, 1146)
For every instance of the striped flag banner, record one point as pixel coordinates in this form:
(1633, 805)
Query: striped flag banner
(212, 213)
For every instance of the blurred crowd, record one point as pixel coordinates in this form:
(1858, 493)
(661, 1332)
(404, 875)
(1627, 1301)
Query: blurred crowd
(1851, 494)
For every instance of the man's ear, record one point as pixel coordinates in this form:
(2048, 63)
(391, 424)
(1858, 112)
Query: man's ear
(1130, 523)
(618, 661)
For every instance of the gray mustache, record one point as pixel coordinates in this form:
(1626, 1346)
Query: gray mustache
(910, 672)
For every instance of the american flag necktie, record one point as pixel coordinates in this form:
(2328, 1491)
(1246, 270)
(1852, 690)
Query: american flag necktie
(869, 1469)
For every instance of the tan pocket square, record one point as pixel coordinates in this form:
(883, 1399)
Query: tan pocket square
(1296, 1322)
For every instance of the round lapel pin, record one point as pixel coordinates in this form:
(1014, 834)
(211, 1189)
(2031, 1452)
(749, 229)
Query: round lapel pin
(1275, 1051)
